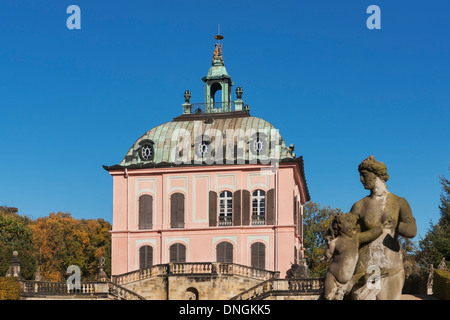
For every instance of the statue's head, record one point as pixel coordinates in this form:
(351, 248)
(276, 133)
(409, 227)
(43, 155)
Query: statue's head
(345, 223)
(370, 169)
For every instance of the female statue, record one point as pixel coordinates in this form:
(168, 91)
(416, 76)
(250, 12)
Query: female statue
(381, 259)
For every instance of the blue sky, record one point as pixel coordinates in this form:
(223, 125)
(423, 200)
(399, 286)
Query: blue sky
(73, 100)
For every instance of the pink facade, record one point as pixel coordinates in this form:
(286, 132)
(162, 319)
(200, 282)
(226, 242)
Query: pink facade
(213, 185)
(282, 240)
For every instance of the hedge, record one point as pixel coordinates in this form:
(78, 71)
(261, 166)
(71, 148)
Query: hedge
(441, 284)
(9, 288)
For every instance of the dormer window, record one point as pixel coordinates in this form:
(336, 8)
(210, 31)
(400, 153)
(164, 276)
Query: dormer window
(258, 144)
(146, 151)
(203, 149)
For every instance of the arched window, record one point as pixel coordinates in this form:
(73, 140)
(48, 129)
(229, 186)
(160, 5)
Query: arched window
(224, 252)
(177, 210)
(258, 207)
(225, 208)
(216, 94)
(191, 294)
(145, 211)
(177, 253)
(145, 257)
(258, 255)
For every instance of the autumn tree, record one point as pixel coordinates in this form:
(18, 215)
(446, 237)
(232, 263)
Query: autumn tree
(60, 241)
(99, 245)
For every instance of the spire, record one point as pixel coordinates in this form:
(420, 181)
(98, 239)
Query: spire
(217, 88)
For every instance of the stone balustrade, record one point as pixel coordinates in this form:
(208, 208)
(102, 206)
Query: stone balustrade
(194, 268)
(274, 286)
(56, 288)
(30, 288)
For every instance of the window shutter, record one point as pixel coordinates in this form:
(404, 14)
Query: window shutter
(245, 207)
(295, 255)
(228, 253)
(270, 219)
(225, 252)
(180, 212)
(181, 253)
(177, 253)
(145, 257)
(212, 208)
(237, 208)
(173, 252)
(258, 255)
(221, 252)
(177, 210)
(145, 211)
(141, 258)
(295, 212)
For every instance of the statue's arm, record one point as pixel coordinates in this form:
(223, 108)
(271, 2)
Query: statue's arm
(406, 223)
(357, 209)
(370, 234)
(330, 250)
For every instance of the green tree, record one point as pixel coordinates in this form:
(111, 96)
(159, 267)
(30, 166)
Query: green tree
(317, 220)
(436, 244)
(16, 235)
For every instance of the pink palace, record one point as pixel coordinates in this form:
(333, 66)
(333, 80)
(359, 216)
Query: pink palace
(215, 184)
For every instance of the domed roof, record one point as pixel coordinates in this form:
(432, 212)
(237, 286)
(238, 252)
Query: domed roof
(207, 140)
(214, 132)
(217, 71)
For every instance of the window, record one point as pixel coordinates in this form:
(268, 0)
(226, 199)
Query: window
(203, 149)
(177, 253)
(258, 144)
(145, 211)
(258, 255)
(258, 207)
(202, 146)
(146, 151)
(145, 257)
(225, 208)
(177, 210)
(224, 252)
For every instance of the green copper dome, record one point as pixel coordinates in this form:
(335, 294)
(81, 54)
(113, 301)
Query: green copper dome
(218, 131)
(229, 140)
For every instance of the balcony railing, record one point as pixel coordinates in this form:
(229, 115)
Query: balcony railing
(258, 220)
(199, 108)
(225, 221)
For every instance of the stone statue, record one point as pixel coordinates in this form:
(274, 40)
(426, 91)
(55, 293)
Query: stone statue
(430, 280)
(442, 265)
(379, 272)
(298, 270)
(101, 276)
(217, 54)
(343, 245)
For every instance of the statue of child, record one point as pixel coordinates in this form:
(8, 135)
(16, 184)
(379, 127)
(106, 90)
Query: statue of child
(343, 251)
